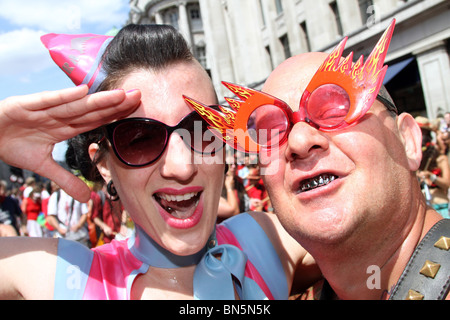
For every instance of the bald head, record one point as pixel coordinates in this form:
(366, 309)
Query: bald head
(288, 81)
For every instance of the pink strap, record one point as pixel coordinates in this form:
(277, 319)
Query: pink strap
(225, 236)
(112, 273)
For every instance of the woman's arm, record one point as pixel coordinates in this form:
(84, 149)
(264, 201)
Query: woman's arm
(443, 164)
(229, 206)
(27, 267)
(32, 124)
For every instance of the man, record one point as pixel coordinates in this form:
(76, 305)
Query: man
(373, 213)
(68, 217)
(342, 174)
(11, 216)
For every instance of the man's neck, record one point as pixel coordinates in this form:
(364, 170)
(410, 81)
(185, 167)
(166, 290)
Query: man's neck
(369, 270)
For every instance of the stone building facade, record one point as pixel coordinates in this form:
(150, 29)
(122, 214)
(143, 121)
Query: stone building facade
(242, 41)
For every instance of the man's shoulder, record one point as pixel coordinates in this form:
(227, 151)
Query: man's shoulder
(426, 274)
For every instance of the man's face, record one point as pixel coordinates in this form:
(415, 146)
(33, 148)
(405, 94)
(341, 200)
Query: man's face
(330, 186)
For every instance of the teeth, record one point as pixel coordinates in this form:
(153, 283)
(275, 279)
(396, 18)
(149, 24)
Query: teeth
(178, 198)
(316, 182)
(180, 206)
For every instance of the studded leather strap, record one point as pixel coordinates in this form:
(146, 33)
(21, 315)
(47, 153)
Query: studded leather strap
(427, 275)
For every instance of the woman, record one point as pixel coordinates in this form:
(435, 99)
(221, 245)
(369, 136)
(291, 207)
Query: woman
(32, 207)
(12, 218)
(111, 219)
(171, 193)
(232, 199)
(434, 170)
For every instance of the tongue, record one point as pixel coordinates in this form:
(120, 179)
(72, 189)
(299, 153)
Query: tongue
(180, 209)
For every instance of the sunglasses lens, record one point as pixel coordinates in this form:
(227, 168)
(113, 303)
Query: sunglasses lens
(268, 125)
(328, 105)
(201, 139)
(139, 142)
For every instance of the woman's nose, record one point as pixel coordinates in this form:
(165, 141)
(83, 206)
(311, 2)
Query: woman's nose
(178, 160)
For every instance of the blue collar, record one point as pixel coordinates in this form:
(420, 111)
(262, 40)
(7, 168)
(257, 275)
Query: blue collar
(213, 278)
(148, 251)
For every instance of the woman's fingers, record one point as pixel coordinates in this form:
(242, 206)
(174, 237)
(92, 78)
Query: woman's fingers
(68, 107)
(98, 109)
(32, 124)
(96, 105)
(72, 185)
(48, 99)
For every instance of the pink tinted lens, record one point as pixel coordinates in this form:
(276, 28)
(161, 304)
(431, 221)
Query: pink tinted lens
(268, 125)
(328, 105)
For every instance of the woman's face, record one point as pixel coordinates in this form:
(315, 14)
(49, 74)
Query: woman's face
(174, 199)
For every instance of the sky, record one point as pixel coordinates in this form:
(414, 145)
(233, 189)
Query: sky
(25, 64)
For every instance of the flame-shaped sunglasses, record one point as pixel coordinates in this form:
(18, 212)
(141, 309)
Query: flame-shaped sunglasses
(338, 95)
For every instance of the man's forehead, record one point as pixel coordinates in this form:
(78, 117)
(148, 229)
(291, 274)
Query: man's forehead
(288, 81)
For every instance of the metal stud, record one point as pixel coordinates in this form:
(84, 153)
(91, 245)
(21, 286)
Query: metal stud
(430, 269)
(414, 295)
(443, 243)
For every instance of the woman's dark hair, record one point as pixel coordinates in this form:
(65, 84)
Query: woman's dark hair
(148, 47)
(135, 47)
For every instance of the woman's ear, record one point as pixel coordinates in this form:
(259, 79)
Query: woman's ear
(94, 151)
(411, 136)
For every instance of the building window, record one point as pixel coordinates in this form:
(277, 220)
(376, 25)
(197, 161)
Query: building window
(367, 9)
(195, 13)
(171, 17)
(305, 37)
(201, 55)
(279, 7)
(263, 17)
(195, 19)
(269, 57)
(285, 43)
(337, 17)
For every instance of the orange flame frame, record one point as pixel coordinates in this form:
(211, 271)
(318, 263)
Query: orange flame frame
(361, 81)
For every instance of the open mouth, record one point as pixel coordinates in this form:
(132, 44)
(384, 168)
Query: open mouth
(179, 206)
(316, 182)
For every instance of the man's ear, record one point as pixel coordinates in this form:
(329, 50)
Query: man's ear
(94, 150)
(411, 136)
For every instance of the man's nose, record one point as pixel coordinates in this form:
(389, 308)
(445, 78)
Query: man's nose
(304, 141)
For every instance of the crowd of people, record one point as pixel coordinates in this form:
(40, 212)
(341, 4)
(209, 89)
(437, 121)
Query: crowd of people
(40, 208)
(244, 188)
(434, 170)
